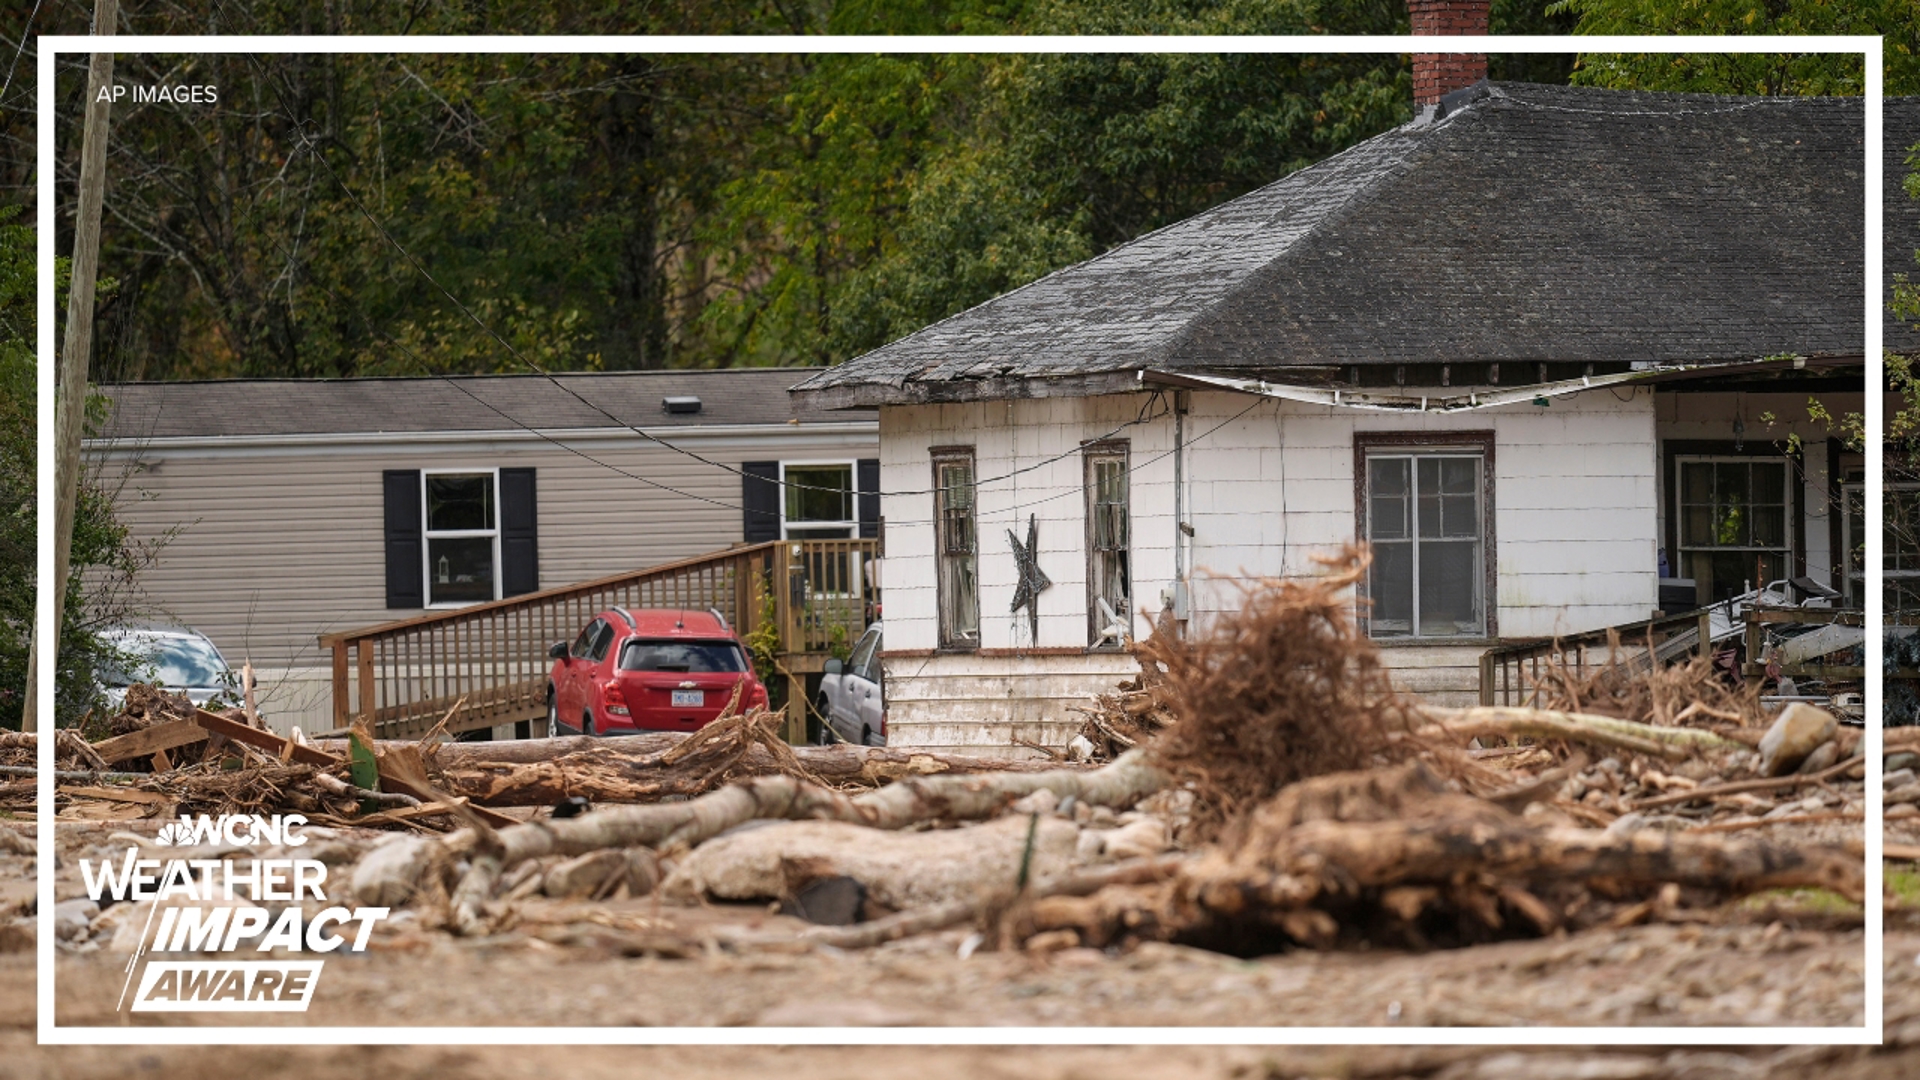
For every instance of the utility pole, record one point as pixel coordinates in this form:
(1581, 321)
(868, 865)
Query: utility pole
(70, 406)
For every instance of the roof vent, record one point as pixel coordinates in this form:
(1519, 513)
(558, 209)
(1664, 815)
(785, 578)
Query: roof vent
(680, 404)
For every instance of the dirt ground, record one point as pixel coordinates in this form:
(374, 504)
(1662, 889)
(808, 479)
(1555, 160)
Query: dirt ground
(1763, 967)
(642, 963)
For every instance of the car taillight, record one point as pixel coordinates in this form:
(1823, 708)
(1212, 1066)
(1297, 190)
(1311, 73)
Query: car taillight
(616, 701)
(757, 696)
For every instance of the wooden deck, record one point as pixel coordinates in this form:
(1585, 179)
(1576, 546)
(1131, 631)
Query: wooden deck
(486, 665)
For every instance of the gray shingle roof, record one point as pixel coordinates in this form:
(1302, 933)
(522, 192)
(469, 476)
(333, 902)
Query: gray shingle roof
(253, 407)
(1900, 214)
(1538, 223)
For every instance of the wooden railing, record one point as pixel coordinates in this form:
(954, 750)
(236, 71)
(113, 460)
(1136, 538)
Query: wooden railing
(1510, 673)
(487, 664)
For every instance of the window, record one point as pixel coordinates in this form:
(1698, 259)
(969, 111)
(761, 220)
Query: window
(702, 657)
(1899, 548)
(1109, 573)
(459, 536)
(593, 641)
(863, 662)
(462, 538)
(1425, 512)
(819, 502)
(1735, 523)
(955, 547)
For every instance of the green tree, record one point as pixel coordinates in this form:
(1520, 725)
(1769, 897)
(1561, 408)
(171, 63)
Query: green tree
(1754, 73)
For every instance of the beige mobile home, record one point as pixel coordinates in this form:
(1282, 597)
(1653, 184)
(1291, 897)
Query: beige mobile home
(307, 507)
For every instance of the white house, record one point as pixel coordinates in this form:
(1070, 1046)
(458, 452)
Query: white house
(1542, 347)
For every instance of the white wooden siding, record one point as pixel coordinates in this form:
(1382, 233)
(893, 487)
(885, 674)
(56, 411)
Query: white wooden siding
(1575, 515)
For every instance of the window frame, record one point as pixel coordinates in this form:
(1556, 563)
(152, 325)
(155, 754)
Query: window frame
(1091, 453)
(428, 535)
(1892, 581)
(948, 639)
(1414, 444)
(1793, 481)
(852, 524)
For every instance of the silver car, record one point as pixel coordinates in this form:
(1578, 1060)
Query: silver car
(852, 703)
(173, 657)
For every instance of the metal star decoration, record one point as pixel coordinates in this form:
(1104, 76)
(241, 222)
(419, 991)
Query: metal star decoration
(1032, 581)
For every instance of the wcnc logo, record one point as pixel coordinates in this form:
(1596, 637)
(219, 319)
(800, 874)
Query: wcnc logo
(204, 900)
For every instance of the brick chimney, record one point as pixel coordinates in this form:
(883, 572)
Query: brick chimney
(1438, 74)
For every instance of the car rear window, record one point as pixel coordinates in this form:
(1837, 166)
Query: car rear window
(691, 656)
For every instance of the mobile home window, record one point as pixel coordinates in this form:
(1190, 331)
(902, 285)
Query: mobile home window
(463, 537)
(956, 530)
(1426, 521)
(459, 536)
(1735, 523)
(1109, 571)
(819, 502)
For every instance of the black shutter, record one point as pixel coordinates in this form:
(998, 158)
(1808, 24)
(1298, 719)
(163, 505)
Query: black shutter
(760, 500)
(401, 489)
(519, 533)
(866, 481)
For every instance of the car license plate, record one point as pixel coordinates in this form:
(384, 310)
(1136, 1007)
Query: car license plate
(689, 699)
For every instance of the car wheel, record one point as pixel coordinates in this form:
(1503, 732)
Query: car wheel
(866, 736)
(586, 723)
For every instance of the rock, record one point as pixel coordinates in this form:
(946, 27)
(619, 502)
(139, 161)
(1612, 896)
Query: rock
(1038, 802)
(899, 869)
(1905, 759)
(1823, 757)
(828, 901)
(591, 875)
(72, 917)
(1080, 748)
(1798, 732)
(1138, 839)
(388, 875)
(1897, 778)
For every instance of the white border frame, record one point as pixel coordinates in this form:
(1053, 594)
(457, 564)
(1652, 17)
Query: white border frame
(53, 46)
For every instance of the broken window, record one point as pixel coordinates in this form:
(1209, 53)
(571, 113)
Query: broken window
(956, 531)
(1426, 521)
(1735, 524)
(1109, 572)
(462, 537)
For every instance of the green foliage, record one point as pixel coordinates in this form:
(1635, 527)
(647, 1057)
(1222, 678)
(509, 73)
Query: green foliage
(105, 559)
(1796, 75)
(610, 212)
(763, 642)
(17, 457)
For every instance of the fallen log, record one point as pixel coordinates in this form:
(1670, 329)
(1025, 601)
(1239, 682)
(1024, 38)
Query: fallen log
(1738, 786)
(840, 763)
(1509, 722)
(940, 916)
(905, 802)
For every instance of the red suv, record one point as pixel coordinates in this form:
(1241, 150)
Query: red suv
(651, 670)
